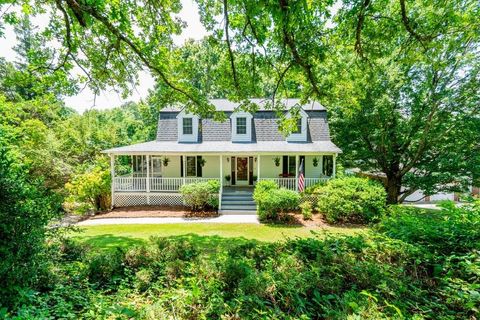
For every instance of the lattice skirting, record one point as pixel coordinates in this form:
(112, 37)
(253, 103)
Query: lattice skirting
(153, 199)
(313, 199)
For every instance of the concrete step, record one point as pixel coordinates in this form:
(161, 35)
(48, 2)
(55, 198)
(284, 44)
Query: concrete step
(237, 198)
(227, 202)
(237, 212)
(239, 206)
(238, 194)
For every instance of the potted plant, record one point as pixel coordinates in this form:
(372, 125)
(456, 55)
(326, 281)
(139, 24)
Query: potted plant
(255, 178)
(227, 177)
(165, 161)
(276, 160)
(315, 162)
(202, 162)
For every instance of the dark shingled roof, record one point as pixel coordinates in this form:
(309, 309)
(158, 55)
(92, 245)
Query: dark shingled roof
(265, 127)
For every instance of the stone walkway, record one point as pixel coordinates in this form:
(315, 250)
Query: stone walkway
(230, 218)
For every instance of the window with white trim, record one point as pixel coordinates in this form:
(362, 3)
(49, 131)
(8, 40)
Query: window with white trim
(187, 125)
(241, 125)
(300, 134)
(299, 126)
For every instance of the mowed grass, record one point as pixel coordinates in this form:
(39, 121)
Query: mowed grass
(110, 236)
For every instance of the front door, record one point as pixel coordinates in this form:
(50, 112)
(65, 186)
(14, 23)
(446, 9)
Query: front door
(242, 171)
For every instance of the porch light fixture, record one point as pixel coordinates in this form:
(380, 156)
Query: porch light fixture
(315, 162)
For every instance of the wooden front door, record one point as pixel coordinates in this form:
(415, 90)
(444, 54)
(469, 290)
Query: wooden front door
(242, 171)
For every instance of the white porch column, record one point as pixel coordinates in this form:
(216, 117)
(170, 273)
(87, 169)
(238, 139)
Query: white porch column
(148, 179)
(221, 184)
(184, 168)
(296, 172)
(334, 165)
(258, 167)
(112, 172)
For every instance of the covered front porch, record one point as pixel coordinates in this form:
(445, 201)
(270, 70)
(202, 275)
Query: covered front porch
(153, 179)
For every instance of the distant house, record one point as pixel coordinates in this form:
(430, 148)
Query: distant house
(238, 152)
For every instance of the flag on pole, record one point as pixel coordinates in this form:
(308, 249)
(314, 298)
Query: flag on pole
(301, 178)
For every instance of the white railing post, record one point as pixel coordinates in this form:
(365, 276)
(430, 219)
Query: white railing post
(334, 165)
(221, 184)
(112, 172)
(184, 168)
(147, 185)
(296, 172)
(258, 167)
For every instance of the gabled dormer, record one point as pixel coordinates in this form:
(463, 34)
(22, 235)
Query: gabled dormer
(241, 126)
(300, 134)
(187, 127)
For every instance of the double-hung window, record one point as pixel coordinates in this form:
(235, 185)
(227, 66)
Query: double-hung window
(187, 126)
(241, 125)
(299, 126)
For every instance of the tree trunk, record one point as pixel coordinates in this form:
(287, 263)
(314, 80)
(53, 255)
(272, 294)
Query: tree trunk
(393, 187)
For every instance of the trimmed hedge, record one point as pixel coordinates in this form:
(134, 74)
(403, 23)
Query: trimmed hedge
(273, 201)
(201, 195)
(351, 199)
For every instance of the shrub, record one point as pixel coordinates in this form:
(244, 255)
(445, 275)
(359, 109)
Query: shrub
(90, 189)
(201, 195)
(351, 199)
(273, 201)
(306, 210)
(449, 230)
(26, 208)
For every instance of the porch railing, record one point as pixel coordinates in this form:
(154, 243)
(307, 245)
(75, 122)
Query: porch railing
(139, 184)
(292, 183)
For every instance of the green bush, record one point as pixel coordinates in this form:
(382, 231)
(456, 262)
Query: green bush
(26, 208)
(201, 195)
(272, 201)
(453, 229)
(351, 199)
(89, 190)
(306, 210)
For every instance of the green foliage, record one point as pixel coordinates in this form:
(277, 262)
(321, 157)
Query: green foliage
(201, 195)
(91, 187)
(306, 208)
(272, 201)
(370, 276)
(451, 230)
(351, 199)
(26, 208)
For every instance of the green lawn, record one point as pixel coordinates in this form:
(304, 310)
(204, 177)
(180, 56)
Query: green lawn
(109, 236)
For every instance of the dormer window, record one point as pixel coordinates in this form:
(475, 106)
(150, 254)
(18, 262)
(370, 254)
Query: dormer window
(300, 133)
(187, 126)
(241, 125)
(299, 126)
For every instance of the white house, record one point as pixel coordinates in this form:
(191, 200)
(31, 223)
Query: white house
(245, 148)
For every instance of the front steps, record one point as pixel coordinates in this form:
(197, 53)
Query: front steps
(238, 201)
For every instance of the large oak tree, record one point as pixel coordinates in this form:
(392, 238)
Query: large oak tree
(399, 78)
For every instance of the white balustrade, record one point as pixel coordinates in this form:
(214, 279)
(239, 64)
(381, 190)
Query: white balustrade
(139, 184)
(291, 183)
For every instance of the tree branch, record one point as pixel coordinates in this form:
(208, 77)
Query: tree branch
(117, 33)
(289, 40)
(358, 32)
(229, 46)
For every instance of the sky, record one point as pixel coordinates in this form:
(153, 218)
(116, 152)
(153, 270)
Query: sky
(110, 99)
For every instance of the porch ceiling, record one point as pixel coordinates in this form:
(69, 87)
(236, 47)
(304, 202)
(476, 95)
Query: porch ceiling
(226, 147)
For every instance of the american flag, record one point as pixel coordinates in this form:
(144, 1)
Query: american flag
(301, 178)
